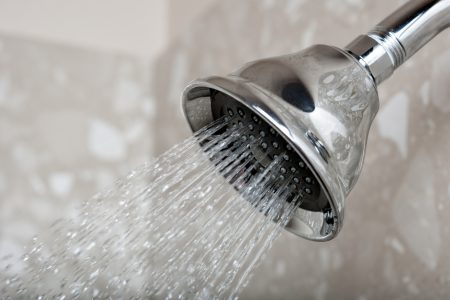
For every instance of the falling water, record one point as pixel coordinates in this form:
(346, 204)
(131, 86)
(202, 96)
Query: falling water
(194, 223)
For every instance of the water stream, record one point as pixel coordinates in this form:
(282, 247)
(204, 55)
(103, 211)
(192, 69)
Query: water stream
(174, 228)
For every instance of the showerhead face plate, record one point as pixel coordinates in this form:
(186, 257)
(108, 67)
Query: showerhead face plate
(269, 146)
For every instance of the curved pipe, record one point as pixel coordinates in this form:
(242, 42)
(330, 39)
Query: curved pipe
(399, 36)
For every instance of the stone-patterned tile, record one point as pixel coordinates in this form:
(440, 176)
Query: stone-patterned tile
(393, 242)
(71, 121)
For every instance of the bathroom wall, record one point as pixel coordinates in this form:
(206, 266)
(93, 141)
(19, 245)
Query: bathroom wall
(71, 121)
(394, 243)
(74, 115)
(135, 27)
(75, 104)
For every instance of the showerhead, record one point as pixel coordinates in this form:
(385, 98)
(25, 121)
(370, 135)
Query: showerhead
(316, 107)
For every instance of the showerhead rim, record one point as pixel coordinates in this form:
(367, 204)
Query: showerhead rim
(265, 106)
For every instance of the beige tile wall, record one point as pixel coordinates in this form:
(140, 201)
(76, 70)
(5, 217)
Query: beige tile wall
(133, 27)
(73, 119)
(395, 238)
(182, 13)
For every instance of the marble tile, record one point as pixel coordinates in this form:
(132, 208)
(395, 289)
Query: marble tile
(393, 243)
(71, 121)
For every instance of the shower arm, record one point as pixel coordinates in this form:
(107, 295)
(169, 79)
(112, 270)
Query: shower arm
(399, 36)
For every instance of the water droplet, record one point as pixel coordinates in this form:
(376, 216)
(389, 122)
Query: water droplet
(94, 274)
(95, 293)
(173, 221)
(61, 297)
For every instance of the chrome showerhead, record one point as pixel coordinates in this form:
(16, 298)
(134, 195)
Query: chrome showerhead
(316, 107)
(319, 104)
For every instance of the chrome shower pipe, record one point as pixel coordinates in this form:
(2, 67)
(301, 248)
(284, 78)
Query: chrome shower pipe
(399, 36)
